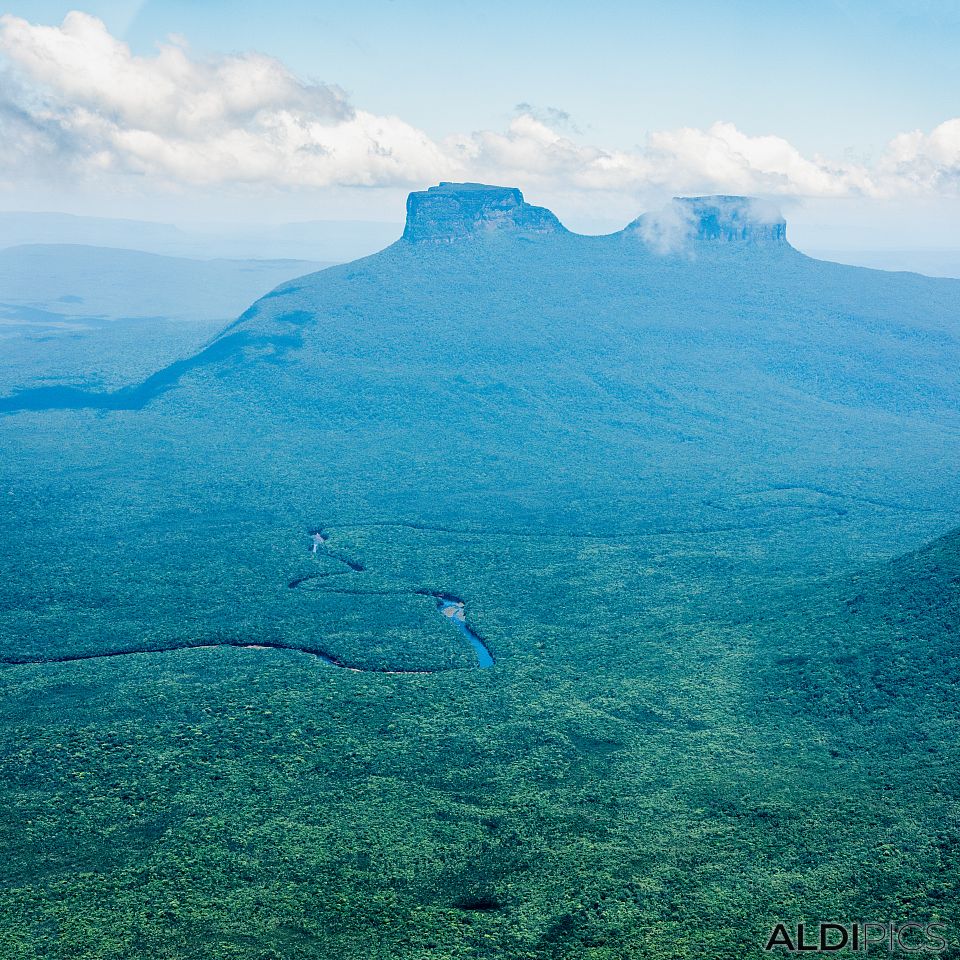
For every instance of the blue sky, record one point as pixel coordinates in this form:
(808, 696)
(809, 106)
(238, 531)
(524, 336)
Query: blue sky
(836, 81)
(829, 76)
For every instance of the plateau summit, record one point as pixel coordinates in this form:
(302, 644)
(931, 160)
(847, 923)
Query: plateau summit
(459, 211)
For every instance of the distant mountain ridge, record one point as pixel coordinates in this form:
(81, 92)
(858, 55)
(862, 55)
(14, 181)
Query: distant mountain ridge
(102, 317)
(85, 281)
(931, 263)
(332, 241)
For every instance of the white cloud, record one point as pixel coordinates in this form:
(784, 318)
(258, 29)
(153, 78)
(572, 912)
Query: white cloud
(928, 162)
(77, 100)
(686, 160)
(766, 164)
(239, 118)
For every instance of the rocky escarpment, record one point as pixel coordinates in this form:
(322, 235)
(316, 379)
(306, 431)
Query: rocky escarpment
(719, 219)
(462, 211)
(453, 212)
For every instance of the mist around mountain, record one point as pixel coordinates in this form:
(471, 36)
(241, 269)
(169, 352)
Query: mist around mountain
(668, 473)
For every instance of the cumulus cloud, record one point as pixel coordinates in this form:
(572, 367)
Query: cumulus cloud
(237, 118)
(766, 164)
(720, 158)
(77, 100)
(928, 161)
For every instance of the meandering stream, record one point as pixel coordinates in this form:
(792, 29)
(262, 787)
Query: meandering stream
(451, 608)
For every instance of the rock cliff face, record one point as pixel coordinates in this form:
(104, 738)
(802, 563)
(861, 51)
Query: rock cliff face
(452, 212)
(719, 219)
(734, 218)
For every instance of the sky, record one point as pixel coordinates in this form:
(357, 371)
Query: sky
(846, 113)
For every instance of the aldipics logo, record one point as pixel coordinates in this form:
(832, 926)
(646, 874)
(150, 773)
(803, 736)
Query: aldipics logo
(859, 937)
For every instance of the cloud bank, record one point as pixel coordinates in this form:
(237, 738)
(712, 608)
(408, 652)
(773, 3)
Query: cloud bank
(76, 102)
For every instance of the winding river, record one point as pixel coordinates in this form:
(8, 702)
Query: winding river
(450, 608)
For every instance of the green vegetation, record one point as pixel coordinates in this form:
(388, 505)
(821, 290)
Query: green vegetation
(628, 786)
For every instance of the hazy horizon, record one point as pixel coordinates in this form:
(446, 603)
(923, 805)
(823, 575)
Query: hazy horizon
(341, 240)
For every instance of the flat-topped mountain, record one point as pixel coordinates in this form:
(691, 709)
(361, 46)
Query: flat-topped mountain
(453, 212)
(457, 211)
